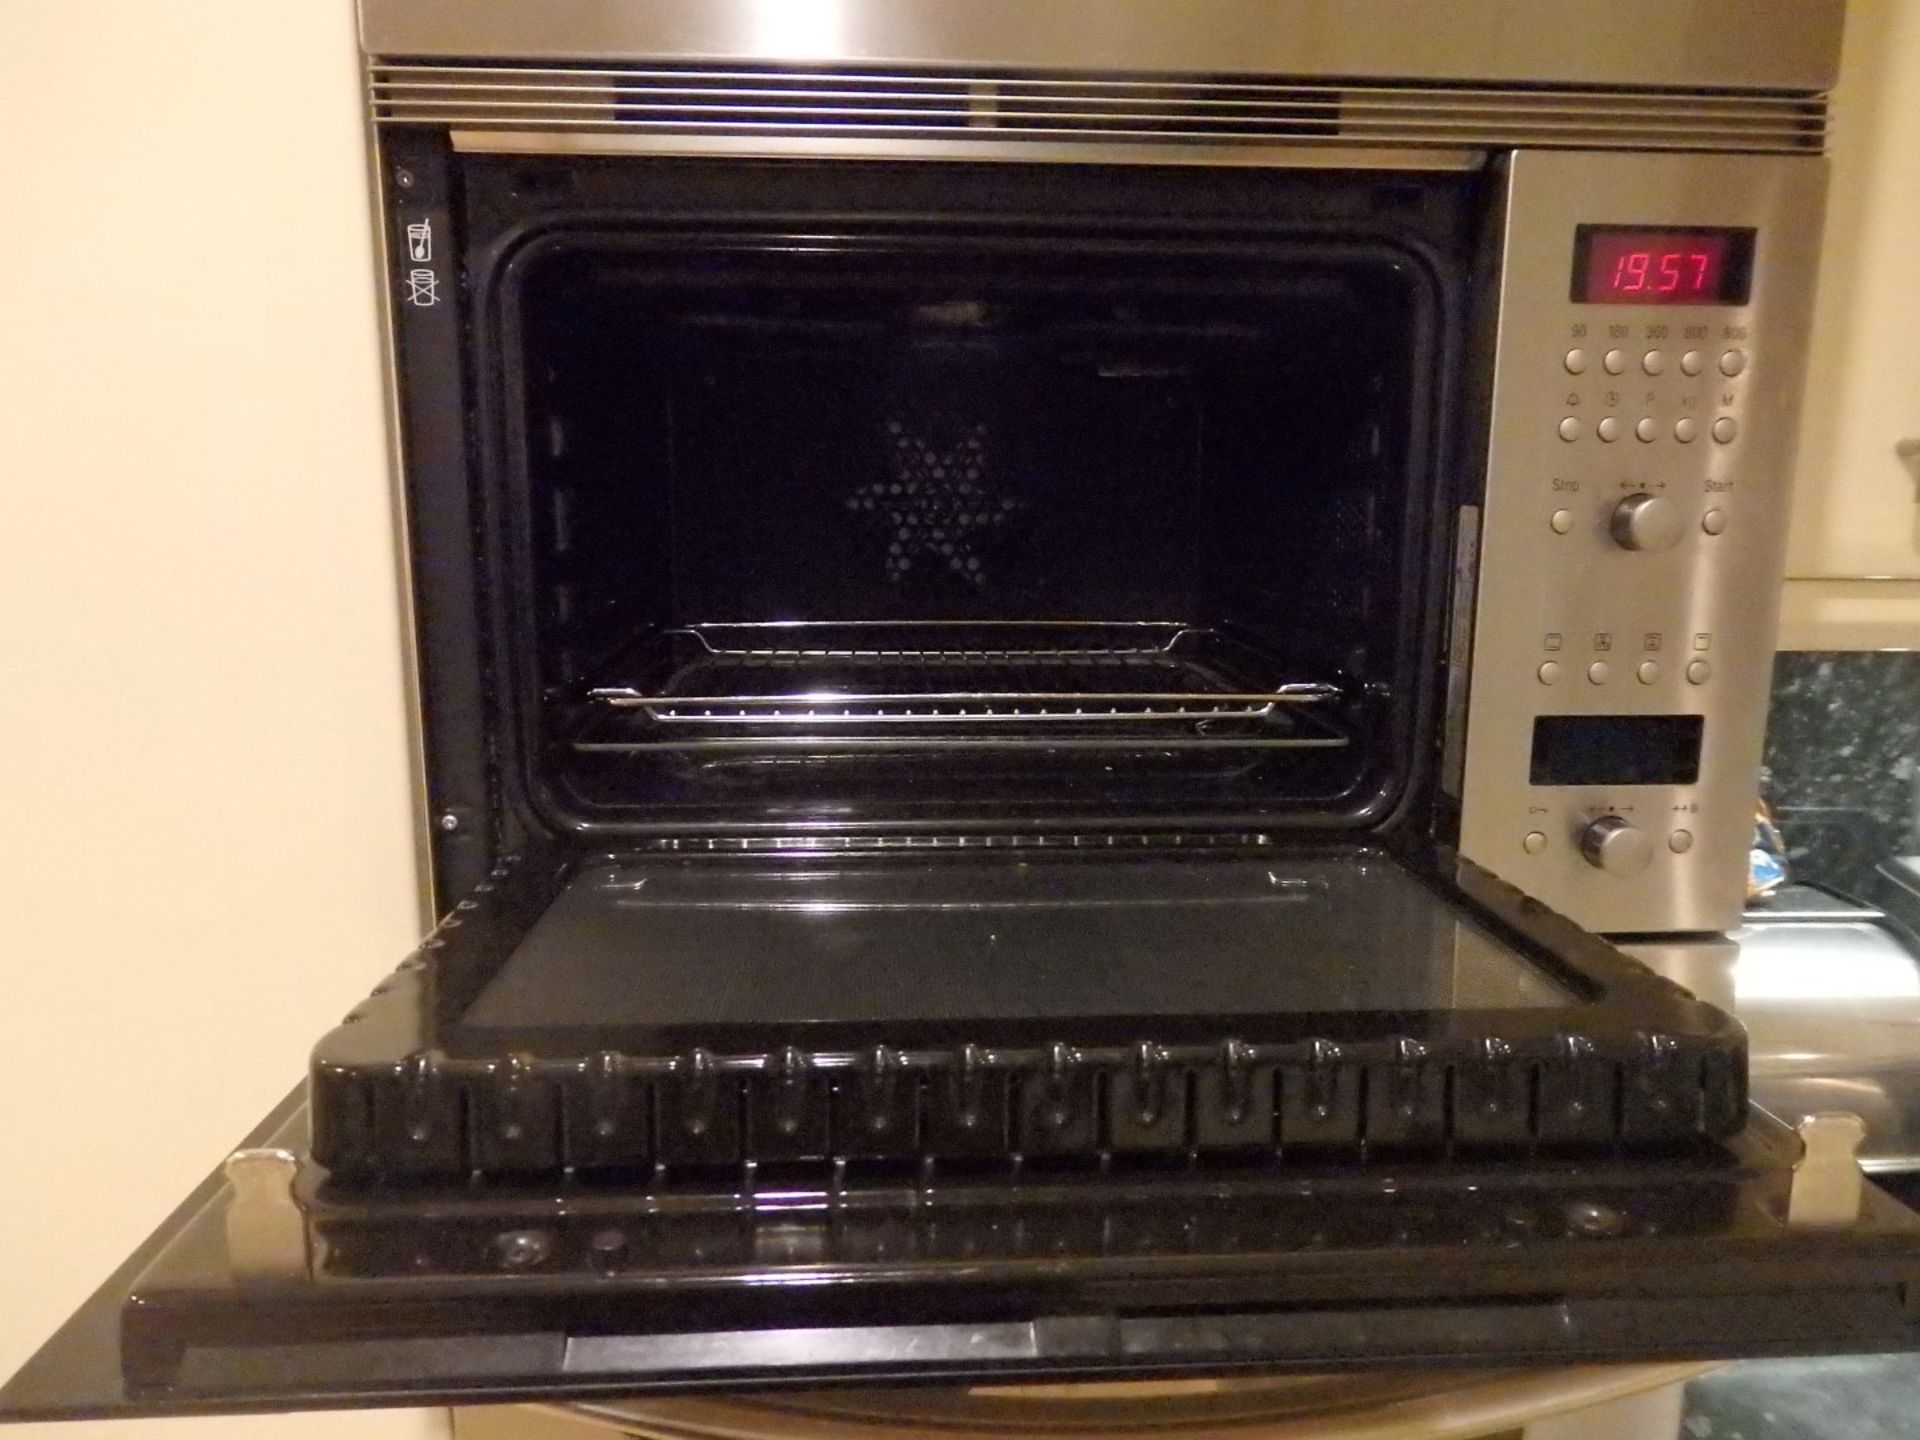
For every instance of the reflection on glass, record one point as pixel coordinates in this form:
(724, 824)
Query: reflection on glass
(678, 943)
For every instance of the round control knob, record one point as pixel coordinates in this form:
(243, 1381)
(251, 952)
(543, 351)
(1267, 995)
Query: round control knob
(1615, 846)
(1646, 522)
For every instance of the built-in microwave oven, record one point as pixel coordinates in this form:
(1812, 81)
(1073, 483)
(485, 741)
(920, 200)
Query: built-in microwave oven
(1051, 641)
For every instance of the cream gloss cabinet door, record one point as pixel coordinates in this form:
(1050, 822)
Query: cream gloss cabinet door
(1854, 554)
(208, 852)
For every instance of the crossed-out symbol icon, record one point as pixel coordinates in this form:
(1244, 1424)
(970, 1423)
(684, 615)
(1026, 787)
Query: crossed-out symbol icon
(423, 288)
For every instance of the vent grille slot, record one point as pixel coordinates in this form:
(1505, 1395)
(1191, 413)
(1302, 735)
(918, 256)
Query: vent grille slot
(667, 102)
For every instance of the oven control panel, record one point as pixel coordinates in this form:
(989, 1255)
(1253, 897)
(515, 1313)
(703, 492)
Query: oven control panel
(1623, 572)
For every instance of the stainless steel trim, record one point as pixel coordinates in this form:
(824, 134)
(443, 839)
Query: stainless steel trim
(1853, 579)
(1566, 618)
(775, 147)
(1731, 44)
(1079, 109)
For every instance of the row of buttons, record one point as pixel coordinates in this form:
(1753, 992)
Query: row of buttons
(1714, 522)
(1535, 843)
(1648, 671)
(1686, 429)
(1654, 362)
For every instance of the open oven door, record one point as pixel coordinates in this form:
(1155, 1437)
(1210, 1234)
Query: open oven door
(645, 1123)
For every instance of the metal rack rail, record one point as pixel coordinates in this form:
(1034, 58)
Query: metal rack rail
(956, 684)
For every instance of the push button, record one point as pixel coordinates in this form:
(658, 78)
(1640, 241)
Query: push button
(1598, 672)
(1732, 362)
(1725, 428)
(1561, 521)
(1680, 841)
(1549, 673)
(1576, 362)
(1646, 429)
(1615, 362)
(1569, 429)
(1699, 672)
(1608, 429)
(1648, 672)
(1714, 522)
(1692, 363)
(1654, 362)
(1535, 842)
(1686, 430)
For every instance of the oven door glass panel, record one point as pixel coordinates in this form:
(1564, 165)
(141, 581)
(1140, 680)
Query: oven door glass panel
(608, 1016)
(1385, 1110)
(797, 945)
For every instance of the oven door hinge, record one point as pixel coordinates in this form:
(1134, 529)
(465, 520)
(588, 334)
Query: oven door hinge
(266, 1228)
(1827, 1180)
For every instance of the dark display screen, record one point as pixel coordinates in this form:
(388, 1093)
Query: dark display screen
(1631, 265)
(1616, 749)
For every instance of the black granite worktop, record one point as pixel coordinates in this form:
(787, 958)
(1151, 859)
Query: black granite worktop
(1843, 761)
(1840, 1397)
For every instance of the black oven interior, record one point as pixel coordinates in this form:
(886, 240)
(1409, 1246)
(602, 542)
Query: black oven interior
(1007, 523)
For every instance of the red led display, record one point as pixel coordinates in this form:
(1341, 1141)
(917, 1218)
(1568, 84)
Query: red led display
(1620, 265)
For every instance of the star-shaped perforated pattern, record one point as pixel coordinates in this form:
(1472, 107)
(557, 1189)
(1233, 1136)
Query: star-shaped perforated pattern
(937, 506)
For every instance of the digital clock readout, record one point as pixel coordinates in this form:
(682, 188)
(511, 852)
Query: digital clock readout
(1625, 265)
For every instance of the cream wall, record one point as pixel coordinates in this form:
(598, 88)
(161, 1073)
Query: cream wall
(203, 744)
(1855, 547)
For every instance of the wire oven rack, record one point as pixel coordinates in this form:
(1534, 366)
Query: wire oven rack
(956, 684)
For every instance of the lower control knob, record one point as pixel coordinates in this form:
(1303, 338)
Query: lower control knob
(1616, 846)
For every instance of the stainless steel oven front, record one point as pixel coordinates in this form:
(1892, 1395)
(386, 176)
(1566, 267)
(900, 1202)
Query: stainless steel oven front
(1048, 638)
(1635, 512)
(1630, 353)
